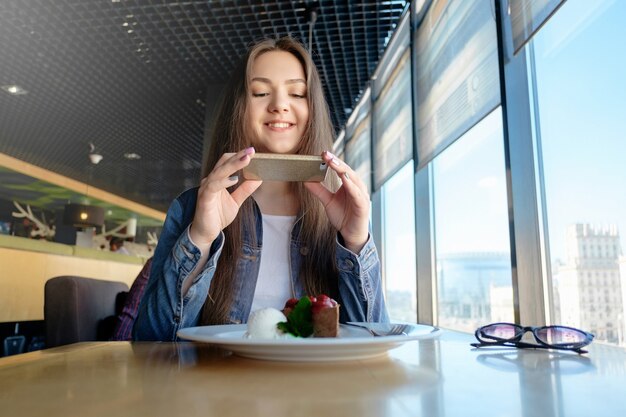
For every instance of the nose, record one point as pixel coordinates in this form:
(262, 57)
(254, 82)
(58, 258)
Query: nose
(278, 104)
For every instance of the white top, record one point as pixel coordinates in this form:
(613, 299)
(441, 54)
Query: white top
(273, 286)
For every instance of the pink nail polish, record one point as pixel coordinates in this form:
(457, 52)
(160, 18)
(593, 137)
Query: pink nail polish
(247, 152)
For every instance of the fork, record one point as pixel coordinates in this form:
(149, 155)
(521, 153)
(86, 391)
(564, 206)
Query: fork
(396, 330)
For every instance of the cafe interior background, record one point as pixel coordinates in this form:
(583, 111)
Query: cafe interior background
(489, 135)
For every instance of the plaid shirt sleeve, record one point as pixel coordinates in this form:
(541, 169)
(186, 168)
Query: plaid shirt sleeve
(126, 319)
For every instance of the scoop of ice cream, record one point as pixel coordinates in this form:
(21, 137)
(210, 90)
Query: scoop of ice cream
(262, 324)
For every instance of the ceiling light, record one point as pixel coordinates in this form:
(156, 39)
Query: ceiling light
(132, 155)
(95, 158)
(16, 90)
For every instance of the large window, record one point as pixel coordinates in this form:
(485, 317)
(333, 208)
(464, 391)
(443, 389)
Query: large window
(393, 137)
(473, 262)
(570, 240)
(399, 245)
(399, 249)
(358, 151)
(581, 102)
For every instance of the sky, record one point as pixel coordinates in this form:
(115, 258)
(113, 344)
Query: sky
(580, 67)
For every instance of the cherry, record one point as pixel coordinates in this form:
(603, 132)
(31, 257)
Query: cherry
(323, 301)
(291, 303)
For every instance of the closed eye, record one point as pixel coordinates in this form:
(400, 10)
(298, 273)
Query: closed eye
(260, 94)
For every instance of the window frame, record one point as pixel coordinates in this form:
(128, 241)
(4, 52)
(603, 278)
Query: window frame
(528, 232)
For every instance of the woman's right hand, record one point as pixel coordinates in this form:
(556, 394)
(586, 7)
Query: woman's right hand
(216, 207)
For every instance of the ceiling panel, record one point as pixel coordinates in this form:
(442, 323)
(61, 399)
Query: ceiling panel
(135, 77)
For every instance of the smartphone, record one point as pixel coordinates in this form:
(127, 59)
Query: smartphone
(278, 167)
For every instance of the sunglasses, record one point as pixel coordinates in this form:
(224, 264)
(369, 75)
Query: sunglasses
(547, 337)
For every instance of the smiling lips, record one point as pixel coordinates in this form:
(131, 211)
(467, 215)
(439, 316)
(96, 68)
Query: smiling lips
(279, 125)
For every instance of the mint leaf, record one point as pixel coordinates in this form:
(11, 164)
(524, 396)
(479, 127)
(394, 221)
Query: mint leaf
(285, 327)
(300, 321)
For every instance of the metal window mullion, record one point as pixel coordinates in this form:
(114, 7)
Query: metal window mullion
(426, 277)
(541, 194)
(373, 138)
(530, 303)
(378, 230)
(378, 203)
(426, 284)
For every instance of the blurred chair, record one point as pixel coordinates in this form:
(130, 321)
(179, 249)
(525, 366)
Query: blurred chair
(78, 309)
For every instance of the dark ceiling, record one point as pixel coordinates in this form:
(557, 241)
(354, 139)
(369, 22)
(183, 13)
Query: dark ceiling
(134, 76)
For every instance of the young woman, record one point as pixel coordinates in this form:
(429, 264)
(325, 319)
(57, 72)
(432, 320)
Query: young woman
(231, 246)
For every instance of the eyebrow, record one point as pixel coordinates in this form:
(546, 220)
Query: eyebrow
(268, 81)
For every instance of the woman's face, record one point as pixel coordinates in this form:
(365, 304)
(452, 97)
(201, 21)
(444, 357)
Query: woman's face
(278, 108)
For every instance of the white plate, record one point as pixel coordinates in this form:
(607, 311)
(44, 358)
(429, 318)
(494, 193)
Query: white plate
(353, 343)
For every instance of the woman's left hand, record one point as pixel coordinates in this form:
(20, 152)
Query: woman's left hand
(348, 208)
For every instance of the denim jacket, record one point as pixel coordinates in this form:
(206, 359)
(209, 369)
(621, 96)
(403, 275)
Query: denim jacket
(164, 310)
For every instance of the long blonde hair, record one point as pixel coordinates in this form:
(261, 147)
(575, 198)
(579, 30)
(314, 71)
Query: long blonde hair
(318, 273)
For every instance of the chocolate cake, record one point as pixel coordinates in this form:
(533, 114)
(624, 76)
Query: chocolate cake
(317, 315)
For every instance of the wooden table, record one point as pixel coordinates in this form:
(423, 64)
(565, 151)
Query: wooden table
(437, 377)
